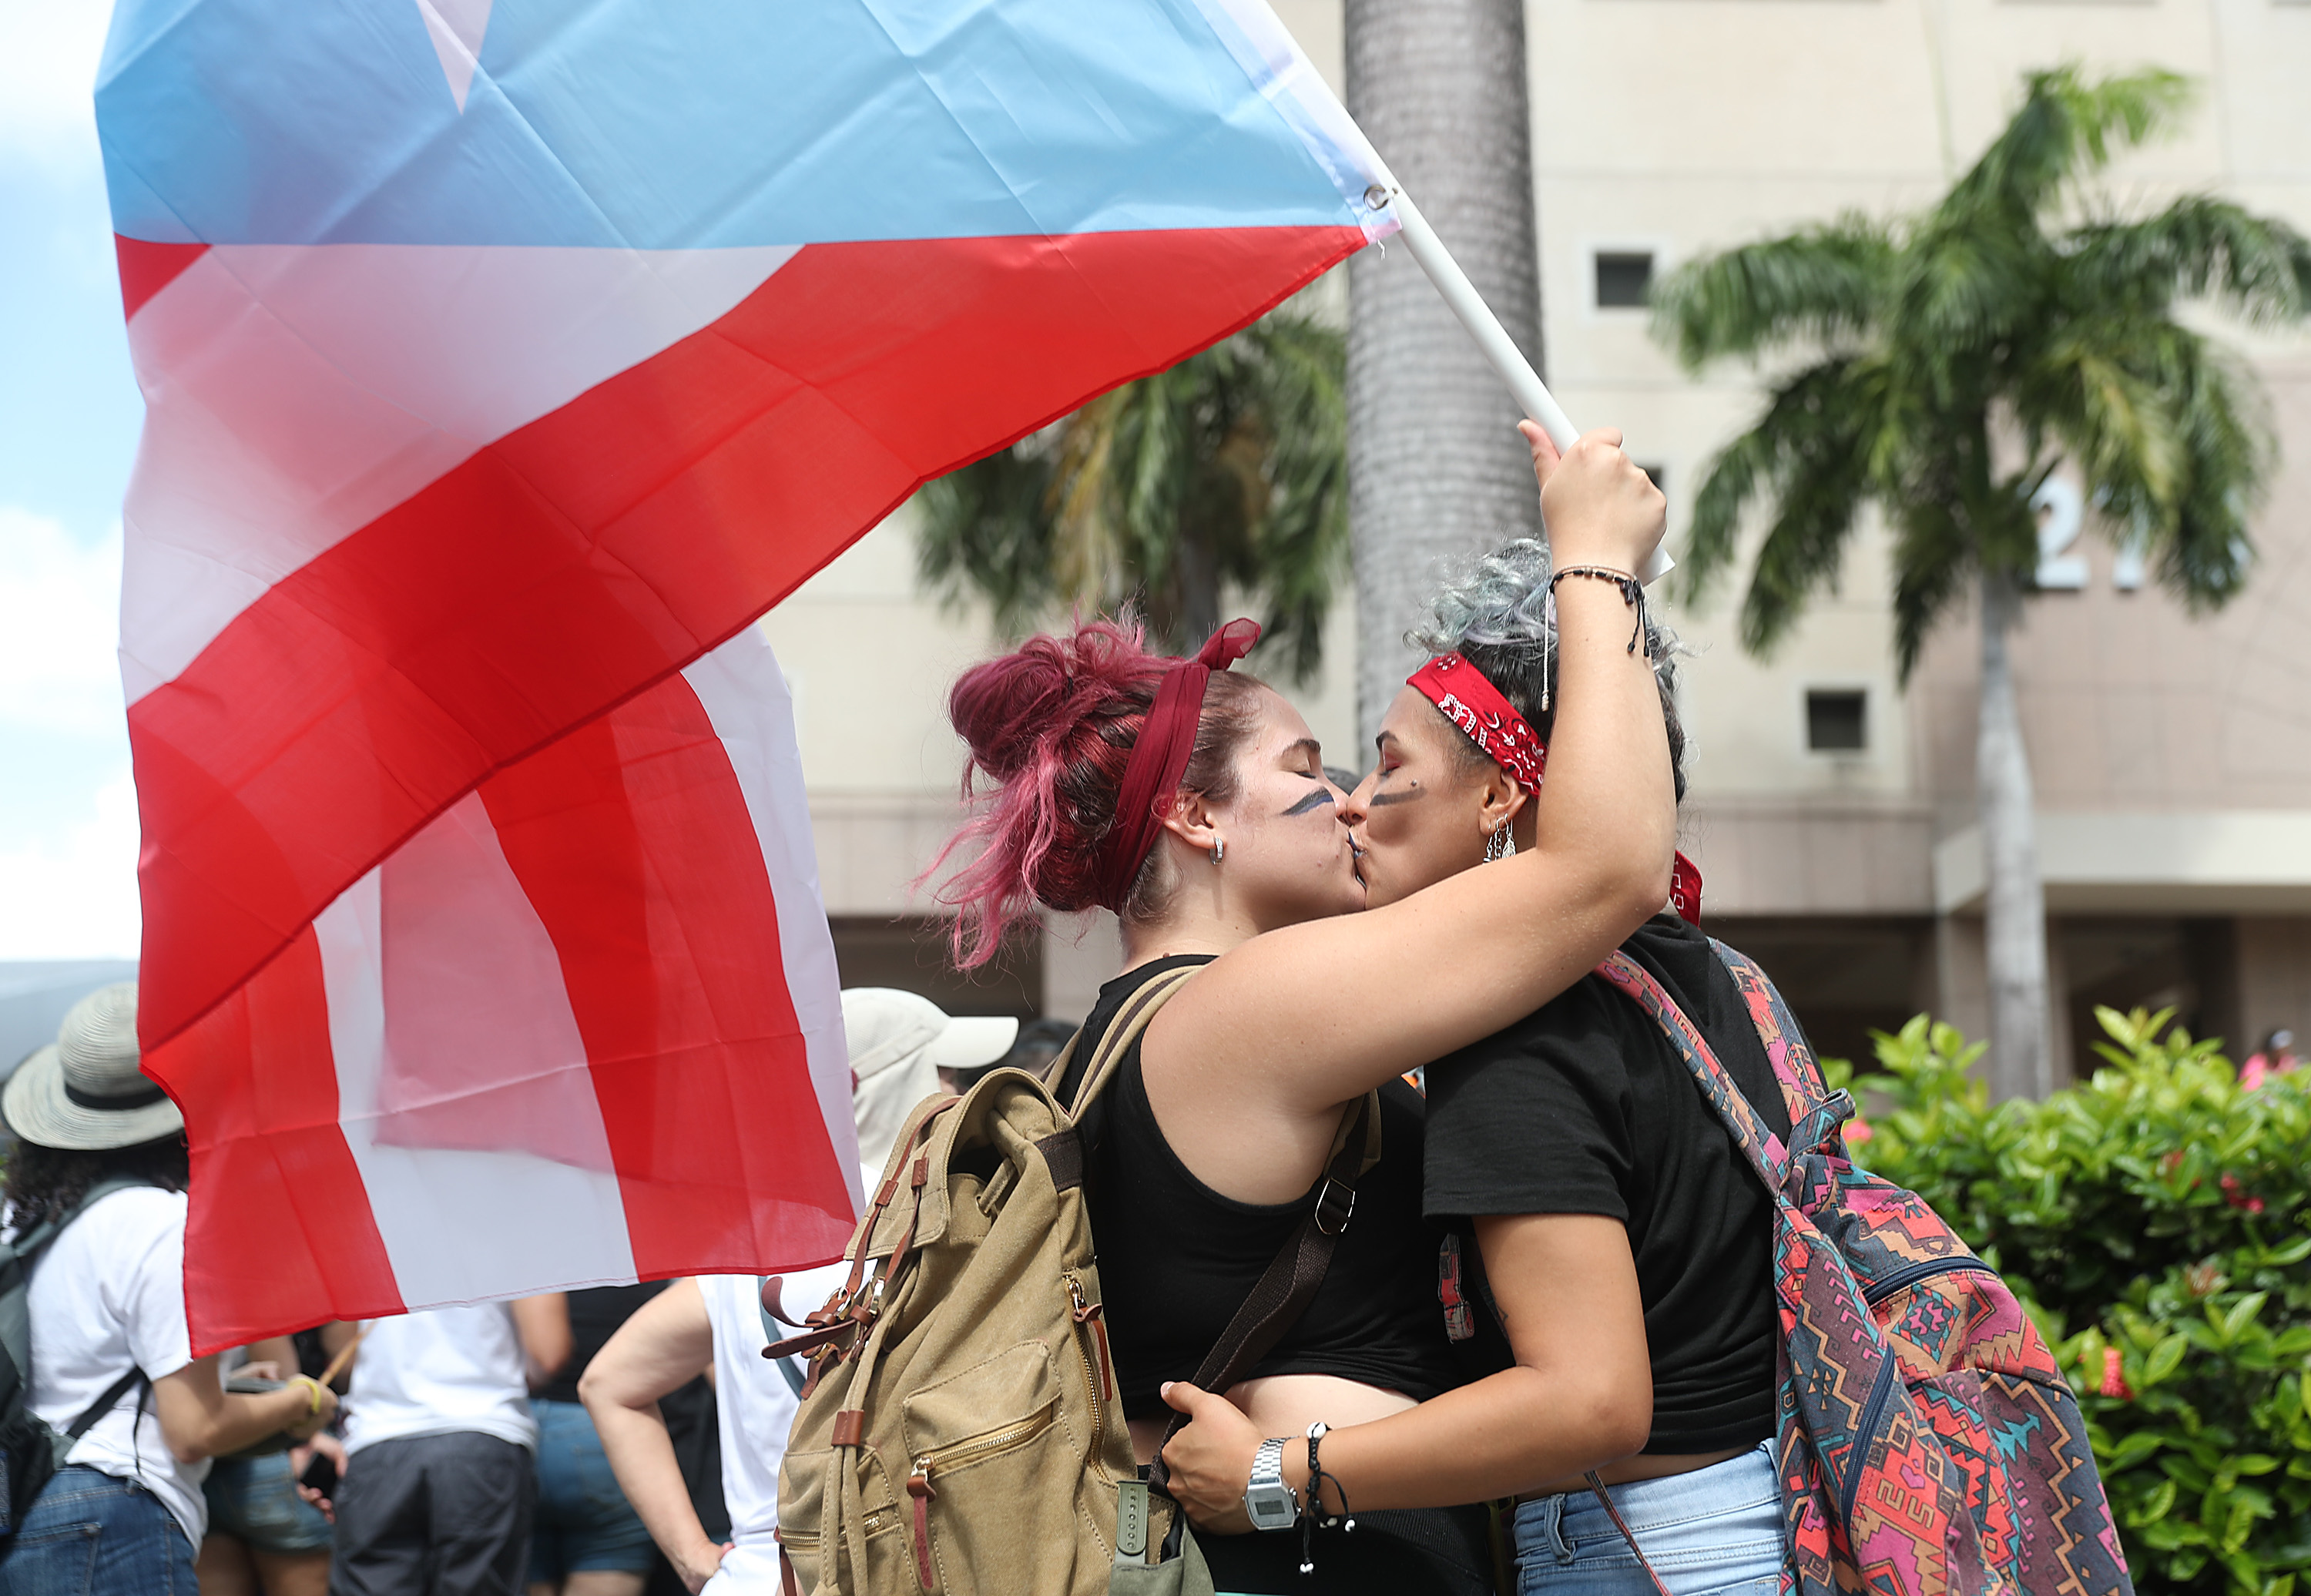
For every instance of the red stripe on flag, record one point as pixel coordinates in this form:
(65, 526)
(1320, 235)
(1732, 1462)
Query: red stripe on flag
(602, 547)
(147, 267)
(280, 1231)
(633, 839)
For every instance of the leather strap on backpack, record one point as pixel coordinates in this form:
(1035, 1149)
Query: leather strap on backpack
(1622, 1524)
(1285, 1290)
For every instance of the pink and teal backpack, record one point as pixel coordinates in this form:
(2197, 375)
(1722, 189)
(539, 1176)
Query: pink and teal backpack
(1929, 1444)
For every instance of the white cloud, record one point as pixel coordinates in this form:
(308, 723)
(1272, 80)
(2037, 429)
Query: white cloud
(59, 627)
(49, 54)
(77, 890)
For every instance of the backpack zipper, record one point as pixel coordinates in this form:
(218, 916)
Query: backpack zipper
(1090, 1320)
(978, 1448)
(1911, 1274)
(1870, 1412)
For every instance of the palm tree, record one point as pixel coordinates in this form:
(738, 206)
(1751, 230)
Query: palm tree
(1957, 357)
(1435, 467)
(1229, 467)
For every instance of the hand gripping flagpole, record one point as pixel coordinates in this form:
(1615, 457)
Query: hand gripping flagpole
(1460, 296)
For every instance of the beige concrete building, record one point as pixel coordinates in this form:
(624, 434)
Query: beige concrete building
(1832, 812)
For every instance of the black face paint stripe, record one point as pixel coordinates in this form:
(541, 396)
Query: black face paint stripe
(1318, 799)
(1406, 796)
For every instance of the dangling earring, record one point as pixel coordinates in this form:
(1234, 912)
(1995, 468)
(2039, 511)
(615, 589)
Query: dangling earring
(1500, 845)
(1219, 849)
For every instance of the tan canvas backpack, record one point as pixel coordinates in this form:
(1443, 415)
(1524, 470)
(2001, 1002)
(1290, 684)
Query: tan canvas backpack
(959, 1432)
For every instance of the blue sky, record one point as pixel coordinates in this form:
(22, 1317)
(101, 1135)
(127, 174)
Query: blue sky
(69, 413)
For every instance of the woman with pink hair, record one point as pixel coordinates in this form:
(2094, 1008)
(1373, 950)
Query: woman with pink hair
(1193, 802)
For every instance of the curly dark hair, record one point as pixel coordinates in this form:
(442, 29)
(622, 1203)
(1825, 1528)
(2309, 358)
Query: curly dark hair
(47, 1182)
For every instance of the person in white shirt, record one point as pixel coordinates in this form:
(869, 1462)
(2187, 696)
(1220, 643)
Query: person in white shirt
(715, 1320)
(441, 1480)
(110, 1344)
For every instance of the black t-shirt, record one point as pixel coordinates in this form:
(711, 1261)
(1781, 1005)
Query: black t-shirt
(1584, 1107)
(594, 1315)
(1177, 1258)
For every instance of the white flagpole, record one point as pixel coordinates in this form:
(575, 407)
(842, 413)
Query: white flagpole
(1460, 296)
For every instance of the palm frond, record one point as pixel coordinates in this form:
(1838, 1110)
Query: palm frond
(985, 531)
(2066, 129)
(1808, 456)
(1932, 557)
(1822, 284)
(2257, 268)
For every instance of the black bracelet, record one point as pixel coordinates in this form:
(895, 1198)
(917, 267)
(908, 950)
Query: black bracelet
(1314, 1509)
(1633, 594)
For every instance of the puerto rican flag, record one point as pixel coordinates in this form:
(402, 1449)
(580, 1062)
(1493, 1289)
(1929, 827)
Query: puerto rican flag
(504, 359)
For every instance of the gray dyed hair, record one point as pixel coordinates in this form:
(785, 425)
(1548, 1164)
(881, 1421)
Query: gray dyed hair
(1495, 614)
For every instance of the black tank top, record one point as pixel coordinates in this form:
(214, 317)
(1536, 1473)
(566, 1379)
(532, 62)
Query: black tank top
(1177, 1259)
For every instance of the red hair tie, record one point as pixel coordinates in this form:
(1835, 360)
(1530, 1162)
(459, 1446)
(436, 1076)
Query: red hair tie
(1470, 700)
(1159, 759)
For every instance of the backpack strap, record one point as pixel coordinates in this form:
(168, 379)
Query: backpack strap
(1766, 1151)
(97, 1409)
(1130, 1022)
(1283, 1292)
(16, 1273)
(1622, 1524)
(1795, 1068)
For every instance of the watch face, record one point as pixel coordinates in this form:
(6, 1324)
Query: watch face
(1271, 1506)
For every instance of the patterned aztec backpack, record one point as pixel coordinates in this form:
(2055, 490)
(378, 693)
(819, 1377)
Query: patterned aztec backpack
(1928, 1442)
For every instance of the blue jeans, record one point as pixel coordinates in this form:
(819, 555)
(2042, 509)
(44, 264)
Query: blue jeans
(583, 1523)
(1717, 1531)
(92, 1535)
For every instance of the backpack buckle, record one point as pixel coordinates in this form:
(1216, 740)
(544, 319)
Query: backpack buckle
(1336, 1205)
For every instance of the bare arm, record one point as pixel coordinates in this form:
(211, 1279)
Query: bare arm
(201, 1421)
(1284, 1028)
(666, 1345)
(543, 1323)
(1580, 1395)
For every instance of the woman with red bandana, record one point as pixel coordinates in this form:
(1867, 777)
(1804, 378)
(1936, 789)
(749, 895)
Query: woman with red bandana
(1192, 801)
(1600, 1214)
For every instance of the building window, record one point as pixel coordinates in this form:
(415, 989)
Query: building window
(1624, 281)
(1836, 721)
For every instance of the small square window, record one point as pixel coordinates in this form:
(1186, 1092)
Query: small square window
(1624, 281)
(1837, 722)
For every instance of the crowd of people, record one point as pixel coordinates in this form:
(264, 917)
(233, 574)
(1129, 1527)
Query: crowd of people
(1557, 1276)
(610, 1441)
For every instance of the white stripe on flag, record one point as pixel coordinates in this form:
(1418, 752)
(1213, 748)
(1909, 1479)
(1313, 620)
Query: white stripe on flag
(461, 1225)
(296, 393)
(745, 694)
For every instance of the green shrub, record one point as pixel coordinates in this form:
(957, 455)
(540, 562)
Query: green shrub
(2154, 1219)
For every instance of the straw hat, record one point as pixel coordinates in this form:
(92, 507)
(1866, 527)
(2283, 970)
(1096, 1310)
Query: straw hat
(84, 1090)
(899, 1042)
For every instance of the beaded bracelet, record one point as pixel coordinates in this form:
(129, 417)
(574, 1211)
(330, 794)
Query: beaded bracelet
(1633, 594)
(1314, 1512)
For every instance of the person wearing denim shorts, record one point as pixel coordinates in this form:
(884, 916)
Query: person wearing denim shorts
(586, 1540)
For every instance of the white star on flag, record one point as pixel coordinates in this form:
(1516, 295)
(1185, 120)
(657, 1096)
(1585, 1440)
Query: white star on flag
(457, 27)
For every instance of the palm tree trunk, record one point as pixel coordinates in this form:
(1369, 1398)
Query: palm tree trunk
(1435, 467)
(2021, 1056)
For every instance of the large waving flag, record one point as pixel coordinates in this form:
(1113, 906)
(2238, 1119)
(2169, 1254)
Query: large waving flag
(501, 358)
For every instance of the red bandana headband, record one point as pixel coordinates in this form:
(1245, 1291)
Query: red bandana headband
(1470, 701)
(1460, 690)
(1159, 759)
